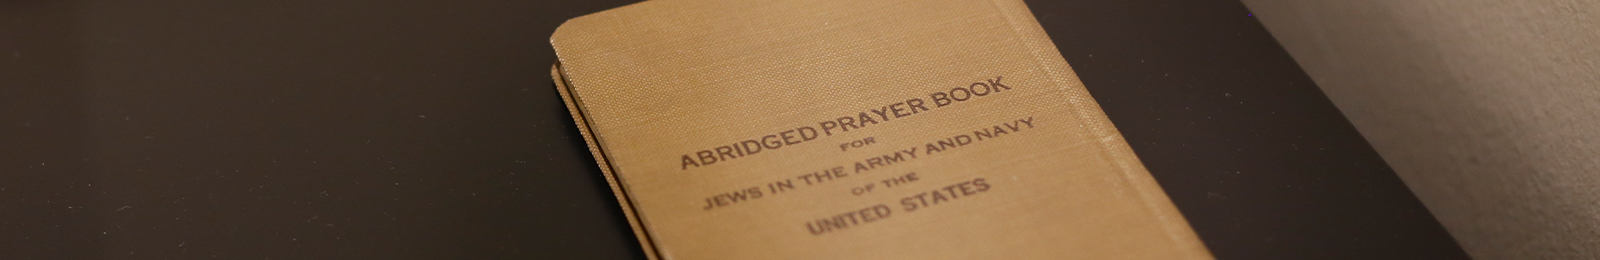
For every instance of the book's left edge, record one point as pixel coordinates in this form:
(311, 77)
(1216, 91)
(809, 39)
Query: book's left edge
(623, 199)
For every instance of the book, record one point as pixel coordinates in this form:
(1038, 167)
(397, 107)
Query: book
(805, 129)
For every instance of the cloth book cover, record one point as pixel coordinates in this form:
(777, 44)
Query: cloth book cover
(865, 129)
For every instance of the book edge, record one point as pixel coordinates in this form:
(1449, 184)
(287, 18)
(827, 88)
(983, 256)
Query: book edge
(628, 211)
(1130, 169)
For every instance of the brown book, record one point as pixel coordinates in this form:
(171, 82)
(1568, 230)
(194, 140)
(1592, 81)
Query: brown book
(865, 129)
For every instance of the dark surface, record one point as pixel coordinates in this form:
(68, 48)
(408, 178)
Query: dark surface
(1259, 161)
(429, 130)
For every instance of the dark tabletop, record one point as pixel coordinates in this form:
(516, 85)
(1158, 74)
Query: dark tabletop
(430, 130)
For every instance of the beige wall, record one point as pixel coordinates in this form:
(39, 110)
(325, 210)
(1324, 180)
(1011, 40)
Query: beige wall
(1490, 110)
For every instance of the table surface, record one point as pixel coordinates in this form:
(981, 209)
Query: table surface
(430, 130)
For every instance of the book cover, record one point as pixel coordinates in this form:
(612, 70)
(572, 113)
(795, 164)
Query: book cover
(799, 129)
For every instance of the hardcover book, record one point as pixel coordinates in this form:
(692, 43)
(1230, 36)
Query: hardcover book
(823, 129)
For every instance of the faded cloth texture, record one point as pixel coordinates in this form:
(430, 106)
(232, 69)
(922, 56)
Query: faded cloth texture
(1489, 110)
